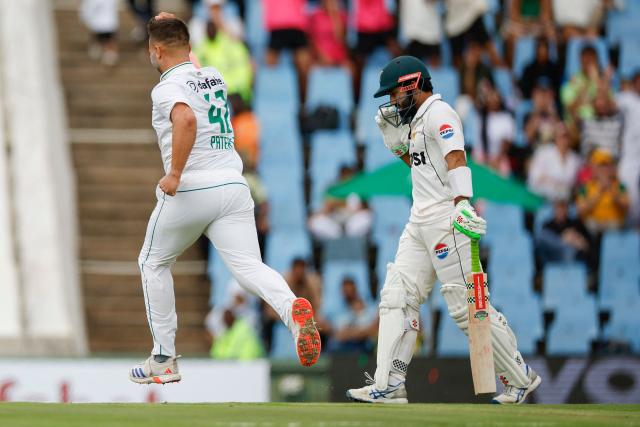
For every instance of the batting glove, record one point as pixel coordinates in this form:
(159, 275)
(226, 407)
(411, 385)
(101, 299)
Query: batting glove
(396, 139)
(467, 221)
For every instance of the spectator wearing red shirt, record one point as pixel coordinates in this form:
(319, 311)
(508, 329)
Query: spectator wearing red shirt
(286, 22)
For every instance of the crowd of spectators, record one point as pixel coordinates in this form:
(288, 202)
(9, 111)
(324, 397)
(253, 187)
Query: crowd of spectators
(571, 134)
(576, 144)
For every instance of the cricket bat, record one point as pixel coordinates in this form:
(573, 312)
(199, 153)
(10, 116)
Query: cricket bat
(480, 349)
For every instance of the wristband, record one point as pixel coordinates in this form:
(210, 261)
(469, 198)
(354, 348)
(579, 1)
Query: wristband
(460, 181)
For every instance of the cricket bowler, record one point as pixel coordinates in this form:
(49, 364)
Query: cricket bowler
(426, 133)
(203, 192)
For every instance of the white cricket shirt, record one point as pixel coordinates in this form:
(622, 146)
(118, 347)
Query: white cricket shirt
(205, 92)
(436, 130)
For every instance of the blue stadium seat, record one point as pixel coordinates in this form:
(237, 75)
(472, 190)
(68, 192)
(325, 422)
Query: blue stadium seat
(523, 108)
(330, 86)
(574, 327)
(391, 215)
(543, 215)
(623, 324)
(446, 82)
(377, 154)
(329, 151)
(451, 340)
(276, 90)
(574, 47)
(504, 83)
(286, 198)
(368, 107)
(524, 53)
(619, 268)
(563, 283)
(282, 346)
(256, 32)
(504, 221)
(285, 245)
(622, 24)
(333, 273)
(219, 276)
(426, 330)
(630, 56)
(386, 254)
(524, 315)
(512, 260)
(280, 143)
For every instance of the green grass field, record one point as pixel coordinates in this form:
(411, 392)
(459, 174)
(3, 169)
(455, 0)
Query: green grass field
(312, 414)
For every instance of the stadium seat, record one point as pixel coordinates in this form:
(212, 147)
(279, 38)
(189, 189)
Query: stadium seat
(525, 53)
(368, 106)
(329, 151)
(504, 83)
(286, 198)
(451, 340)
(276, 90)
(333, 273)
(219, 276)
(284, 245)
(446, 82)
(622, 24)
(623, 324)
(282, 346)
(280, 143)
(426, 330)
(331, 86)
(629, 56)
(256, 33)
(524, 315)
(504, 221)
(619, 268)
(563, 283)
(543, 215)
(574, 327)
(512, 260)
(523, 108)
(391, 215)
(377, 154)
(574, 47)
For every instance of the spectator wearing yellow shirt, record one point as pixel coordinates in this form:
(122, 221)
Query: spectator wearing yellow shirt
(603, 201)
(225, 52)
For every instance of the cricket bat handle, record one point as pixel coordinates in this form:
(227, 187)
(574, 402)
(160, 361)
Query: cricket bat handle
(475, 256)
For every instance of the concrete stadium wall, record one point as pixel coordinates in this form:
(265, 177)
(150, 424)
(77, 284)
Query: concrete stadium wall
(42, 184)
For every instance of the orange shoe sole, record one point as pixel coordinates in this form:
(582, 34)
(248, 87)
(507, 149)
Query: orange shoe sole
(308, 346)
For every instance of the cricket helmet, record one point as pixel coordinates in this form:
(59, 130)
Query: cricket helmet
(409, 74)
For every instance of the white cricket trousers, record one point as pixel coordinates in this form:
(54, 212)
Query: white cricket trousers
(225, 213)
(437, 250)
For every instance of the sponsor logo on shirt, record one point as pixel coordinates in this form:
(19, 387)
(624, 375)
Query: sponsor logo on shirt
(446, 131)
(441, 250)
(206, 84)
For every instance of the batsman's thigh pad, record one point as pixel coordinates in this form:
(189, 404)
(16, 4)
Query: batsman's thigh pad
(455, 295)
(397, 333)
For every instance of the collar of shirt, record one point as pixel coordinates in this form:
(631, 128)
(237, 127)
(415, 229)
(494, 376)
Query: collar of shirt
(188, 65)
(424, 107)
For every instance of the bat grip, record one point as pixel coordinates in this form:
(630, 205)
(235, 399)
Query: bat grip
(475, 256)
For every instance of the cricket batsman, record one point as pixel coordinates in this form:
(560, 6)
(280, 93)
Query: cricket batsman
(426, 133)
(203, 192)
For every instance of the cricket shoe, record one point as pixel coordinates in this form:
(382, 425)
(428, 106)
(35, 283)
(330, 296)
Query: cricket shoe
(151, 371)
(393, 394)
(305, 332)
(512, 395)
